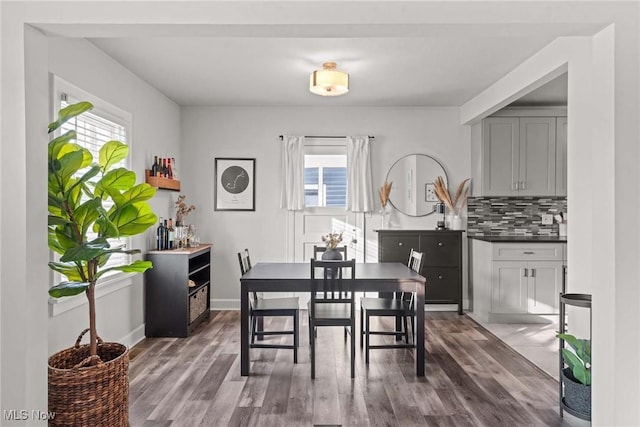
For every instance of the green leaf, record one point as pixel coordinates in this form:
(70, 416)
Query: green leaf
(87, 213)
(69, 269)
(54, 242)
(133, 219)
(55, 202)
(66, 166)
(65, 237)
(93, 171)
(56, 220)
(56, 145)
(86, 251)
(68, 113)
(119, 179)
(103, 225)
(111, 153)
(137, 266)
(139, 193)
(68, 289)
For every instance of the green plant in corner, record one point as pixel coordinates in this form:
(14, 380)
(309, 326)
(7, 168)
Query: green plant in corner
(578, 360)
(80, 223)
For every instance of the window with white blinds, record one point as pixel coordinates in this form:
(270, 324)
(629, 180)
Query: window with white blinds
(93, 130)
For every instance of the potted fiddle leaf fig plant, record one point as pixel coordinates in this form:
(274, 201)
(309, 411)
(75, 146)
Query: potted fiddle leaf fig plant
(577, 376)
(92, 202)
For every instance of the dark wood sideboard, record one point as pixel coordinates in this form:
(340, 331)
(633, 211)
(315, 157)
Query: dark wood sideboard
(442, 266)
(172, 308)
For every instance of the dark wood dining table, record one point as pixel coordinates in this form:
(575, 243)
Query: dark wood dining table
(296, 277)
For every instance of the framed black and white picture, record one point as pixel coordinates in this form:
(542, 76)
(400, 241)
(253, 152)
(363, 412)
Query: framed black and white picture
(235, 186)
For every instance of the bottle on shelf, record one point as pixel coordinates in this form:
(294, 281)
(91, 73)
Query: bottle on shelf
(172, 235)
(154, 168)
(164, 168)
(169, 171)
(165, 238)
(160, 236)
(174, 169)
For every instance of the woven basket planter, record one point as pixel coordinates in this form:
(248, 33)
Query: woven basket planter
(83, 395)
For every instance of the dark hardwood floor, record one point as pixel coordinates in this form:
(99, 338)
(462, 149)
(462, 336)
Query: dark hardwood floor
(472, 379)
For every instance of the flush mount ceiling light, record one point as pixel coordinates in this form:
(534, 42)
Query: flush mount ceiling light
(329, 81)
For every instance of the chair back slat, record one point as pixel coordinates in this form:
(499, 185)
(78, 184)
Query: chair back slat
(245, 265)
(415, 263)
(334, 283)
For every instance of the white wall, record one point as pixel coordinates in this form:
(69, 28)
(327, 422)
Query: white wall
(21, 387)
(253, 132)
(155, 130)
(603, 236)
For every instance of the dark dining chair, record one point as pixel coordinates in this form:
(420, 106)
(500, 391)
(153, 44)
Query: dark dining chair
(332, 302)
(270, 307)
(401, 306)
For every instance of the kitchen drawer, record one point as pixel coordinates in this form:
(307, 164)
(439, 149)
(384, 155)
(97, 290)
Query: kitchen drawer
(526, 252)
(443, 284)
(397, 248)
(441, 250)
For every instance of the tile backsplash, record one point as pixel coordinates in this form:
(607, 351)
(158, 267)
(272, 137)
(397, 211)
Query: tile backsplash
(500, 216)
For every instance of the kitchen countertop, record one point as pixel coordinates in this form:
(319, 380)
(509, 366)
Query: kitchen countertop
(520, 239)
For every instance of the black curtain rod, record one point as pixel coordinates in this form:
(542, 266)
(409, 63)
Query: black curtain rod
(325, 137)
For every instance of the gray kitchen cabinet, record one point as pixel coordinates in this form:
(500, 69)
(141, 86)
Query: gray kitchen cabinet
(519, 156)
(442, 266)
(516, 282)
(561, 156)
(526, 287)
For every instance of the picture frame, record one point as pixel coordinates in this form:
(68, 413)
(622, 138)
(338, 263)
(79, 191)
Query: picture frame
(234, 187)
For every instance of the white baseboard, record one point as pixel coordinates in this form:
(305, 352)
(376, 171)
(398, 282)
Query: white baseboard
(225, 304)
(134, 337)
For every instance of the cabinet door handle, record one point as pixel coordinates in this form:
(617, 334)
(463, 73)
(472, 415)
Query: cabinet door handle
(440, 277)
(525, 272)
(522, 185)
(514, 186)
(533, 272)
(399, 243)
(440, 243)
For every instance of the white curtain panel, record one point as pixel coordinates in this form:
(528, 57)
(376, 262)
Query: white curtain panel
(292, 190)
(359, 177)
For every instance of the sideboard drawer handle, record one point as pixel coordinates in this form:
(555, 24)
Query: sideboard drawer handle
(400, 244)
(529, 252)
(440, 243)
(440, 277)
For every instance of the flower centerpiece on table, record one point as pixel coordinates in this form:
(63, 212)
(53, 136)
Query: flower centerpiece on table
(182, 209)
(332, 240)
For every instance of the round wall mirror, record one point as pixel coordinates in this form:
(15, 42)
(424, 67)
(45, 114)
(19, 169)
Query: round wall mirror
(412, 179)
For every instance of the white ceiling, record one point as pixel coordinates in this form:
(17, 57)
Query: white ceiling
(431, 68)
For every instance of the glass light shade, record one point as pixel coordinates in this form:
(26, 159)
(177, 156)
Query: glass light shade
(329, 81)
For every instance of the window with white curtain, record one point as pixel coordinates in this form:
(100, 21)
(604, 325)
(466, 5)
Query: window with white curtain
(325, 176)
(94, 128)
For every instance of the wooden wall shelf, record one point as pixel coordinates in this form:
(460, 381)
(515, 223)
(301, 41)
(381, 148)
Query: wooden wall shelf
(162, 183)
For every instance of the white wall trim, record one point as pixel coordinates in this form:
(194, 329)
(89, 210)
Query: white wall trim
(134, 337)
(60, 305)
(225, 304)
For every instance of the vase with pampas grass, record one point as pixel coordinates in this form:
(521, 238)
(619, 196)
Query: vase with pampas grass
(383, 193)
(455, 205)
